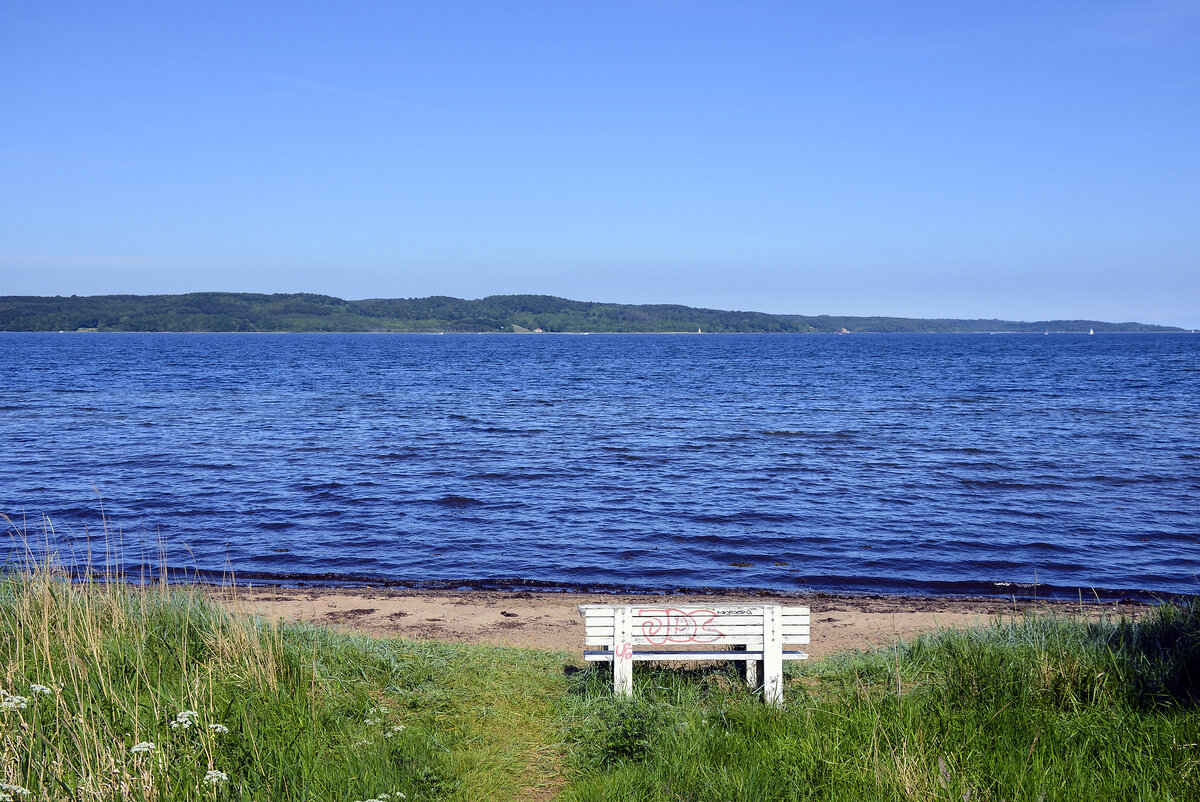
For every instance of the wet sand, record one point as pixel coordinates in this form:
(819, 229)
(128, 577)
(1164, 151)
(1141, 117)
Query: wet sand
(551, 620)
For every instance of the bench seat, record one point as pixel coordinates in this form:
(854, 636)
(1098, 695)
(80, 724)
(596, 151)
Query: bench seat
(670, 655)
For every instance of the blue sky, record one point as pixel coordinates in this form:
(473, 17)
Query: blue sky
(1022, 160)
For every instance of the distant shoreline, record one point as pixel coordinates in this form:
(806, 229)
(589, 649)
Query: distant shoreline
(619, 333)
(230, 312)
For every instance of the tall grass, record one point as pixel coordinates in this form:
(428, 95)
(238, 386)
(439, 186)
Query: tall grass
(1041, 708)
(111, 692)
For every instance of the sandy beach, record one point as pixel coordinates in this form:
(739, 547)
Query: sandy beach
(551, 620)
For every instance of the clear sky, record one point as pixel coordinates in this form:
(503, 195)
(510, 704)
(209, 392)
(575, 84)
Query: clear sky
(1021, 160)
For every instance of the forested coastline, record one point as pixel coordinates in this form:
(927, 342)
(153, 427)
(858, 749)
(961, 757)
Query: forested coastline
(305, 312)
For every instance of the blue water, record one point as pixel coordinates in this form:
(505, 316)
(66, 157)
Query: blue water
(862, 463)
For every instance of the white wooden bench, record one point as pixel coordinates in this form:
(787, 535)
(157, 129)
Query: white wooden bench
(756, 633)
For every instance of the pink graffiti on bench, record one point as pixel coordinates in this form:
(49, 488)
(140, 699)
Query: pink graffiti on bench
(672, 625)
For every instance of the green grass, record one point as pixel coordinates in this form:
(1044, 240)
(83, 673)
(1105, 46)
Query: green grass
(1041, 708)
(310, 713)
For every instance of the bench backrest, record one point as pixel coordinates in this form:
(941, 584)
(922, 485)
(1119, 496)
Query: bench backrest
(684, 626)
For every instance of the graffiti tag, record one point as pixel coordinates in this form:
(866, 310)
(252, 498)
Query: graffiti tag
(671, 625)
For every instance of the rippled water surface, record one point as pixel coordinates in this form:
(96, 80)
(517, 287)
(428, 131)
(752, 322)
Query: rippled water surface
(922, 463)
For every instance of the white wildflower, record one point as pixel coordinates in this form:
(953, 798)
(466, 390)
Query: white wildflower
(184, 720)
(219, 729)
(5, 796)
(14, 790)
(215, 777)
(41, 690)
(371, 722)
(144, 746)
(8, 702)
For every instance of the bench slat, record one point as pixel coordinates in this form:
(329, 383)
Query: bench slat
(718, 609)
(702, 625)
(639, 622)
(684, 639)
(667, 656)
(700, 616)
(638, 640)
(708, 631)
(664, 639)
(731, 621)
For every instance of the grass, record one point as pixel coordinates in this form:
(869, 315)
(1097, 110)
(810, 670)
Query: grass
(239, 708)
(1041, 708)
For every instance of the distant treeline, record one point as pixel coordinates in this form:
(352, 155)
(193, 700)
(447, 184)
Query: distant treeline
(233, 311)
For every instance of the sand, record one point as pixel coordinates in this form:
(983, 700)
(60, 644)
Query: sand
(551, 620)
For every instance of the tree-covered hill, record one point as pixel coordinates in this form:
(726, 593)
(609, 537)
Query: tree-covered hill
(230, 311)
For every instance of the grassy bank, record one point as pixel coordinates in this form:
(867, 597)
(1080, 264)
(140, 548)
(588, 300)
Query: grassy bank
(238, 708)
(117, 693)
(1041, 709)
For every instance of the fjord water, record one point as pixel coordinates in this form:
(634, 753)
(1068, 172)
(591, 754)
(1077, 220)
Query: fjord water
(863, 463)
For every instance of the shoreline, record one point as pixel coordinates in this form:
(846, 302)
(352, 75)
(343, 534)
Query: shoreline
(1174, 330)
(1005, 591)
(550, 620)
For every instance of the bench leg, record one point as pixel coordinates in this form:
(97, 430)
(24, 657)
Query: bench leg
(772, 665)
(773, 682)
(622, 654)
(751, 669)
(622, 675)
